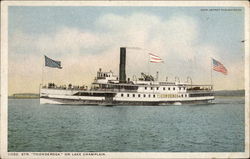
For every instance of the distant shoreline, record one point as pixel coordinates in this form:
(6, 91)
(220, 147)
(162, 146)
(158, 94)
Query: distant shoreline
(230, 93)
(11, 97)
(221, 93)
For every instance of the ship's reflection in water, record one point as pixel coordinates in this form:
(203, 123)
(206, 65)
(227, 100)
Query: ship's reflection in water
(216, 127)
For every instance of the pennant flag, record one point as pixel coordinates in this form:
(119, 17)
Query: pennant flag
(219, 67)
(52, 63)
(154, 58)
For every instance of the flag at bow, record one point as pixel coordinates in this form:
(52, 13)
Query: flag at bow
(219, 67)
(52, 63)
(154, 58)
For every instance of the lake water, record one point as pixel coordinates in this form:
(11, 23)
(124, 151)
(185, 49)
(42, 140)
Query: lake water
(65, 128)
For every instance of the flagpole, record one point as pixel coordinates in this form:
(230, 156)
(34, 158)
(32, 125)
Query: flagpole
(211, 73)
(148, 66)
(42, 72)
(41, 84)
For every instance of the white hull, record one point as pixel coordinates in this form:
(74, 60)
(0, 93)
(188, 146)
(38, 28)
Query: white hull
(98, 103)
(68, 97)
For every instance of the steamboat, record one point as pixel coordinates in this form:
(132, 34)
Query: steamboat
(108, 89)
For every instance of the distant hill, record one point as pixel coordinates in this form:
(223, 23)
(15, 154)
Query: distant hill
(230, 93)
(24, 95)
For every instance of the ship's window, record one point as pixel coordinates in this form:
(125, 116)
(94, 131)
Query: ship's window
(151, 88)
(144, 95)
(154, 95)
(184, 88)
(139, 95)
(133, 95)
(121, 95)
(169, 88)
(179, 88)
(164, 88)
(149, 95)
(157, 88)
(145, 88)
(182, 95)
(127, 95)
(174, 88)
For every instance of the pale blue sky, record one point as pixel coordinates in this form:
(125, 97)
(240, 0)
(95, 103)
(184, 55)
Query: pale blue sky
(218, 26)
(220, 30)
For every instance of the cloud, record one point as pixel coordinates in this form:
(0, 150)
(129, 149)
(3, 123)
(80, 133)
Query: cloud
(83, 51)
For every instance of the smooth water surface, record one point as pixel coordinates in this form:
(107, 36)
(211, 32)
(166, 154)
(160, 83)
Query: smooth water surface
(65, 128)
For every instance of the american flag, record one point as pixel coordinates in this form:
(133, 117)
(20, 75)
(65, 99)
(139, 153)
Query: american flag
(154, 58)
(219, 67)
(52, 63)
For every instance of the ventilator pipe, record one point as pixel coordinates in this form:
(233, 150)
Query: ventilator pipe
(189, 79)
(177, 78)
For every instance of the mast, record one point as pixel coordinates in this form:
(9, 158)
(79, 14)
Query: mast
(41, 84)
(211, 72)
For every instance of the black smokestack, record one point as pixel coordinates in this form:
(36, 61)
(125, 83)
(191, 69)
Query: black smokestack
(122, 71)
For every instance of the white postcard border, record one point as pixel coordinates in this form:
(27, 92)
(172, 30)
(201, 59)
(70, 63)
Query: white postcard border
(4, 80)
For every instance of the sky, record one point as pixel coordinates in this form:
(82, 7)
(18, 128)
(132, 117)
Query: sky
(87, 38)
